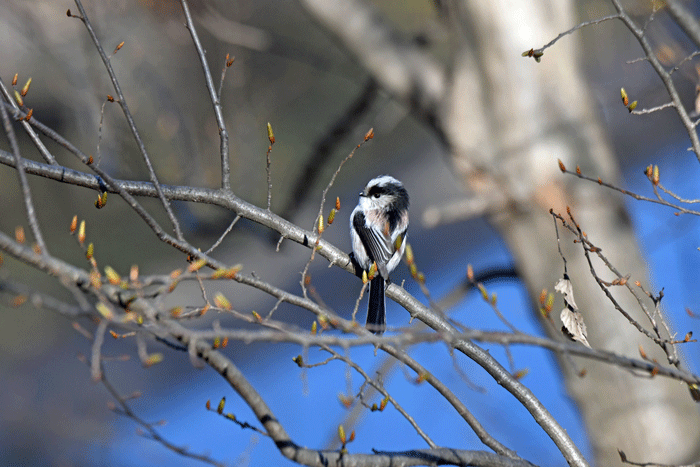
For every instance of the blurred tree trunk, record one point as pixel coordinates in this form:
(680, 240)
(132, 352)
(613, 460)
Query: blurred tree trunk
(505, 120)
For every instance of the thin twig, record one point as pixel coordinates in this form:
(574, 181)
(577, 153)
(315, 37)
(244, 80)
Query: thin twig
(664, 343)
(665, 76)
(678, 198)
(268, 170)
(152, 433)
(48, 157)
(686, 59)
(43, 301)
(99, 132)
(574, 29)
(23, 183)
(325, 146)
(129, 118)
(227, 63)
(215, 99)
(320, 219)
(654, 109)
(96, 355)
(383, 392)
(631, 194)
(223, 235)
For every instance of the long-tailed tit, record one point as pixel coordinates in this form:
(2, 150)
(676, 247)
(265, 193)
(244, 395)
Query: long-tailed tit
(378, 231)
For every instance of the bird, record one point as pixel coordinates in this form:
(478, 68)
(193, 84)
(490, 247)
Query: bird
(378, 227)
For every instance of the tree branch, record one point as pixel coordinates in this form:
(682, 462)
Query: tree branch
(121, 100)
(215, 100)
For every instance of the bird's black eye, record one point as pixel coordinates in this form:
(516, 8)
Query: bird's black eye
(376, 192)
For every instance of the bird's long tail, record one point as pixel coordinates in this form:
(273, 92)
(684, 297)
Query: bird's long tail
(376, 311)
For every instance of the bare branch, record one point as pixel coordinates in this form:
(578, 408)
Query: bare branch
(654, 109)
(312, 457)
(23, 183)
(537, 53)
(48, 157)
(215, 99)
(121, 100)
(152, 433)
(631, 194)
(223, 235)
(665, 76)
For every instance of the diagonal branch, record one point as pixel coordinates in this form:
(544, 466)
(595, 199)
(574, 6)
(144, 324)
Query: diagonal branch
(23, 183)
(129, 118)
(665, 76)
(310, 457)
(48, 157)
(215, 99)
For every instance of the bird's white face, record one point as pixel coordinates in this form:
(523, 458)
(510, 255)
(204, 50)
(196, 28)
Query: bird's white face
(371, 198)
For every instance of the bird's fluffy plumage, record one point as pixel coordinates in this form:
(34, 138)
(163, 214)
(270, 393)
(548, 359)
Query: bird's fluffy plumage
(378, 231)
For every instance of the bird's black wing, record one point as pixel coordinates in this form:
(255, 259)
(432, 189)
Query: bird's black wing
(378, 246)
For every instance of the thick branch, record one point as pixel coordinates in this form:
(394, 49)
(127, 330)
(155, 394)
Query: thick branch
(311, 457)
